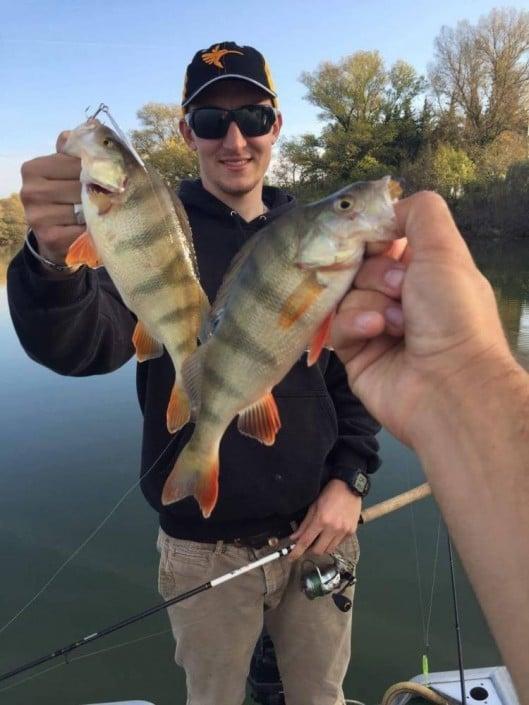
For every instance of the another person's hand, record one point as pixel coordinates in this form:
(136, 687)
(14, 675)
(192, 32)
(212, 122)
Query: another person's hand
(330, 519)
(50, 188)
(445, 331)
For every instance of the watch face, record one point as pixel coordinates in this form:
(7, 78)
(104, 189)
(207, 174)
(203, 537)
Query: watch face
(361, 482)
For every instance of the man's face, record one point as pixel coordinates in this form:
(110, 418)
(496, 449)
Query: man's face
(233, 165)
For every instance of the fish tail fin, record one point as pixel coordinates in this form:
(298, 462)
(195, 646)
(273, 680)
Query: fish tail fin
(196, 473)
(178, 411)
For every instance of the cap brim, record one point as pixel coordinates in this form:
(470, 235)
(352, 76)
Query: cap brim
(222, 78)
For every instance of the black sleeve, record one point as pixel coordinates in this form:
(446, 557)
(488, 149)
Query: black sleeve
(76, 325)
(356, 447)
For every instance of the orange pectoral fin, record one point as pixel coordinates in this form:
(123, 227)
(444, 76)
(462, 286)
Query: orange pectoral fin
(299, 301)
(83, 251)
(320, 340)
(261, 420)
(178, 412)
(146, 346)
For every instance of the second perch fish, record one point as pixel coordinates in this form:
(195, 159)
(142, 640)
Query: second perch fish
(276, 301)
(139, 231)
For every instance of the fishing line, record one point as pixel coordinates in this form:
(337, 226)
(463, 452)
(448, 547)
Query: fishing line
(84, 543)
(84, 656)
(426, 620)
(456, 617)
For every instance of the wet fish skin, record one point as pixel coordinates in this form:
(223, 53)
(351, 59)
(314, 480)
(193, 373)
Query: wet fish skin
(139, 231)
(277, 300)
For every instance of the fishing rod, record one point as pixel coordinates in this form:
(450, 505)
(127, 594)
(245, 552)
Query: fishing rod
(378, 510)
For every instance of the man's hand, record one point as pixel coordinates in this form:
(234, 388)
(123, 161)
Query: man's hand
(446, 312)
(50, 187)
(332, 517)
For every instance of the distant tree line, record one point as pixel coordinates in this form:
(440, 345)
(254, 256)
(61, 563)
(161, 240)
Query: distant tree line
(12, 225)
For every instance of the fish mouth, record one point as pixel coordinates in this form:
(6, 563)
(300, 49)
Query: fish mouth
(96, 188)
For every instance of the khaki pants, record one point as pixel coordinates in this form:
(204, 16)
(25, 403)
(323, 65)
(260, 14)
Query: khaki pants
(216, 631)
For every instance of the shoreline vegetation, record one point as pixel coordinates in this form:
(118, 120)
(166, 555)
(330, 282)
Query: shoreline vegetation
(462, 130)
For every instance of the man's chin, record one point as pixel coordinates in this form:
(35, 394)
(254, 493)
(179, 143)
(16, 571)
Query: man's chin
(237, 187)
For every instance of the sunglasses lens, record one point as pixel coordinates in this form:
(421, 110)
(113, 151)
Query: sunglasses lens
(213, 123)
(209, 123)
(255, 120)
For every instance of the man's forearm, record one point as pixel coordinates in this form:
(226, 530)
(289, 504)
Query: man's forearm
(478, 467)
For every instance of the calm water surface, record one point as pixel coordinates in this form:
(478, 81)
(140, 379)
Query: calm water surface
(69, 449)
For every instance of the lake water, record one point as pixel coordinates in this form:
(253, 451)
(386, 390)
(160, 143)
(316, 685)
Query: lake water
(69, 450)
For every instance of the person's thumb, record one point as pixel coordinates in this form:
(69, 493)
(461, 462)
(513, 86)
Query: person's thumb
(426, 221)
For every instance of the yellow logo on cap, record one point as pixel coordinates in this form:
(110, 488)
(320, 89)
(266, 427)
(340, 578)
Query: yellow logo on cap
(215, 55)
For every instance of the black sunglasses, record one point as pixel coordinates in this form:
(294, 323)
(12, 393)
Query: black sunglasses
(213, 123)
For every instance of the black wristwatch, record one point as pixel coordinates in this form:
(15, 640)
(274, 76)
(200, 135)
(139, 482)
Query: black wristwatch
(357, 481)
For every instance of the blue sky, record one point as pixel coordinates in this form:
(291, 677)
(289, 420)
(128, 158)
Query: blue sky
(58, 57)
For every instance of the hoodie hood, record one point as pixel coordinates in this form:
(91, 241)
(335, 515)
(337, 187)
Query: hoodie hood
(195, 197)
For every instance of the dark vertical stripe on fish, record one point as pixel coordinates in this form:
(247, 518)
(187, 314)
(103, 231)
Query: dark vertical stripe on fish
(212, 378)
(164, 228)
(169, 275)
(235, 337)
(178, 314)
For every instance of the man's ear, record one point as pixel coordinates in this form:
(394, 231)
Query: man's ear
(187, 134)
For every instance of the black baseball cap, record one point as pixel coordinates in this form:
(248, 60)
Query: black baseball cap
(227, 60)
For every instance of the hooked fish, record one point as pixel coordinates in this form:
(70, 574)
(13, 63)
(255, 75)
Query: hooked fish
(276, 301)
(139, 231)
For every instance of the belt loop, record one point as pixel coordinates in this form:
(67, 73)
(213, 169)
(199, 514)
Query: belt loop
(219, 547)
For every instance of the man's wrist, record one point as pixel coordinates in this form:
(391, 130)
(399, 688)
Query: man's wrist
(43, 261)
(477, 401)
(356, 480)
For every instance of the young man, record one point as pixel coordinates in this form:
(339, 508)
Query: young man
(306, 486)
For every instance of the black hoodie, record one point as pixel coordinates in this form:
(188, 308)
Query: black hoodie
(79, 326)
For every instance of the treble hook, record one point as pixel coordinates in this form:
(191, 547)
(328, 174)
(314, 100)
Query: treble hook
(102, 108)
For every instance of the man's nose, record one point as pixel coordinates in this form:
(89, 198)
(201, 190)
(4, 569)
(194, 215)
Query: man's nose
(234, 139)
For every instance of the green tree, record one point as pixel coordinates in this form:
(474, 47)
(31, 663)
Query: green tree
(160, 144)
(481, 73)
(12, 223)
(370, 125)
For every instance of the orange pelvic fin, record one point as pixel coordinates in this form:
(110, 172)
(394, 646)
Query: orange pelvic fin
(321, 340)
(178, 412)
(299, 301)
(194, 474)
(83, 251)
(261, 420)
(147, 347)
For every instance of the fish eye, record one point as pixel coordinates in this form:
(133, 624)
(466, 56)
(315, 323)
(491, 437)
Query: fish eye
(344, 204)
(107, 142)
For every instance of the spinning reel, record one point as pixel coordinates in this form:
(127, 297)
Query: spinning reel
(333, 579)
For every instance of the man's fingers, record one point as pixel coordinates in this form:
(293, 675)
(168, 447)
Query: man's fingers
(381, 274)
(327, 541)
(52, 166)
(48, 191)
(49, 215)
